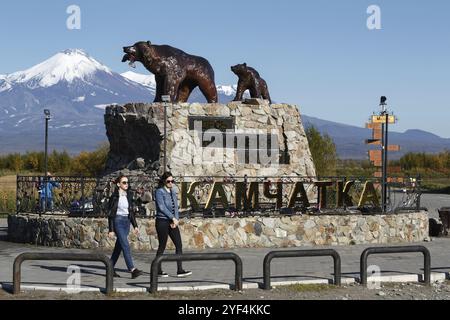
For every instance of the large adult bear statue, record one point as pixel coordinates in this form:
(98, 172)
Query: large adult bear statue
(249, 79)
(176, 72)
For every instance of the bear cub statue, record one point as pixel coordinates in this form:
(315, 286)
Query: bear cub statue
(249, 79)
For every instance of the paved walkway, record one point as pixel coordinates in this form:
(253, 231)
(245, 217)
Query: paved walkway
(433, 202)
(219, 273)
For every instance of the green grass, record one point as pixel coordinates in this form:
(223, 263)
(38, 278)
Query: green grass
(436, 185)
(309, 287)
(7, 194)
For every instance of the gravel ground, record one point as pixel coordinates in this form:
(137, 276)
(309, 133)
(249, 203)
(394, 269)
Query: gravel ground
(390, 291)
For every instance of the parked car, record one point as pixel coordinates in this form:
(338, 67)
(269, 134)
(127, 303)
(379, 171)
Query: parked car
(78, 208)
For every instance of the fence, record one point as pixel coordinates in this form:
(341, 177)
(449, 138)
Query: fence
(401, 249)
(74, 195)
(156, 265)
(224, 195)
(238, 283)
(302, 253)
(17, 274)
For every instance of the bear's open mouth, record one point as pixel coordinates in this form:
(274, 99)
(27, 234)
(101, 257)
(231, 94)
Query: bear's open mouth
(131, 58)
(128, 57)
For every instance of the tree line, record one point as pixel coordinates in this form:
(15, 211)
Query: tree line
(322, 148)
(59, 163)
(440, 163)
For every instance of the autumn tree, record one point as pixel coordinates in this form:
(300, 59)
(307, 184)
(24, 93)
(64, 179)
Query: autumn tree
(323, 151)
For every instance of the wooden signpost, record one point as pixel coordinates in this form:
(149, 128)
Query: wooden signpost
(379, 157)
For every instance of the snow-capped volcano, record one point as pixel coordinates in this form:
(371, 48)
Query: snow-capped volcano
(146, 80)
(68, 66)
(76, 88)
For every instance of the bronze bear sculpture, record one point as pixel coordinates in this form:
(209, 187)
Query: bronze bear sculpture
(250, 79)
(177, 73)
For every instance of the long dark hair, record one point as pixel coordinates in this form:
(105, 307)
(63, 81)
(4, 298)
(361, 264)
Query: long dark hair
(164, 177)
(117, 180)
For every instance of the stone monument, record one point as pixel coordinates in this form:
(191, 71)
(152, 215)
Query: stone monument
(239, 139)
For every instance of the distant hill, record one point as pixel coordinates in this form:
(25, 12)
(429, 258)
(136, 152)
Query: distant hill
(350, 140)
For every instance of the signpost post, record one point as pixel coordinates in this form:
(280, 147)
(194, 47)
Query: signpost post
(380, 126)
(45, 185)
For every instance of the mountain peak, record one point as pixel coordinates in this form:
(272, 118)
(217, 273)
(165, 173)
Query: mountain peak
(417, 133)
(145, 80)
(67, 65)
(72, 52)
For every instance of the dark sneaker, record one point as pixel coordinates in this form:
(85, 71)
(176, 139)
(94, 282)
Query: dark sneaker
(136, 273)
(116, 275)
(162, 274)
(183, 273)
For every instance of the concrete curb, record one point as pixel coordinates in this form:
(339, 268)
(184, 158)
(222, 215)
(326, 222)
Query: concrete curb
(130, 290)
(435, 277)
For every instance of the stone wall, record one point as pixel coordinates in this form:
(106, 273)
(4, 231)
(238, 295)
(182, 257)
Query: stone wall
(250, 232)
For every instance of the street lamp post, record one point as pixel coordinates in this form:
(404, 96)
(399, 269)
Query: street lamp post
(384, 131)
(165, 99)
(47, 118)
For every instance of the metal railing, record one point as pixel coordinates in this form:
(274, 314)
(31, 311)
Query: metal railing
(62, 257)
(69, 195)
(272, 195)
(396, 249)
(301, 253)
(156, 265)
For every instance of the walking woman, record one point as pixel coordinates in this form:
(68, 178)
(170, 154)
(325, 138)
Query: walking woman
(167, 217)
(120, 215)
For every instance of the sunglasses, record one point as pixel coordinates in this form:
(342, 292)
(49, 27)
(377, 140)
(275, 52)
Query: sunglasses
(124, 182)
(170, 181)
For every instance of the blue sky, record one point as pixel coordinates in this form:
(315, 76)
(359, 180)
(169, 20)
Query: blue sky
(317, 54)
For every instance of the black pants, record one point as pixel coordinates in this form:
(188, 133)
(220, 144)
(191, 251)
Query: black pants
(164, 231)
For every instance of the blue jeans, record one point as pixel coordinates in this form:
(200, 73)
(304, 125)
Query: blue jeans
(48, 207)
(122, 229)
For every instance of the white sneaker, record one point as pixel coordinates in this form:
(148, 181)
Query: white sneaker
(183, 274)
(163, 275)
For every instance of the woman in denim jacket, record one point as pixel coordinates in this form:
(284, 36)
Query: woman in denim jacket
(167, 219)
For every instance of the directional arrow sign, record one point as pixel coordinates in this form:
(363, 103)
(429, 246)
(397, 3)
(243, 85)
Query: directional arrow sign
(377, 134)
(373, 141)
(378, 163)
(373, 125)
(375, 155)
(382, 119)
(393, 147)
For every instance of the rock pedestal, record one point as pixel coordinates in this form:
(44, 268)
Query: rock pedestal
(135, 131)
